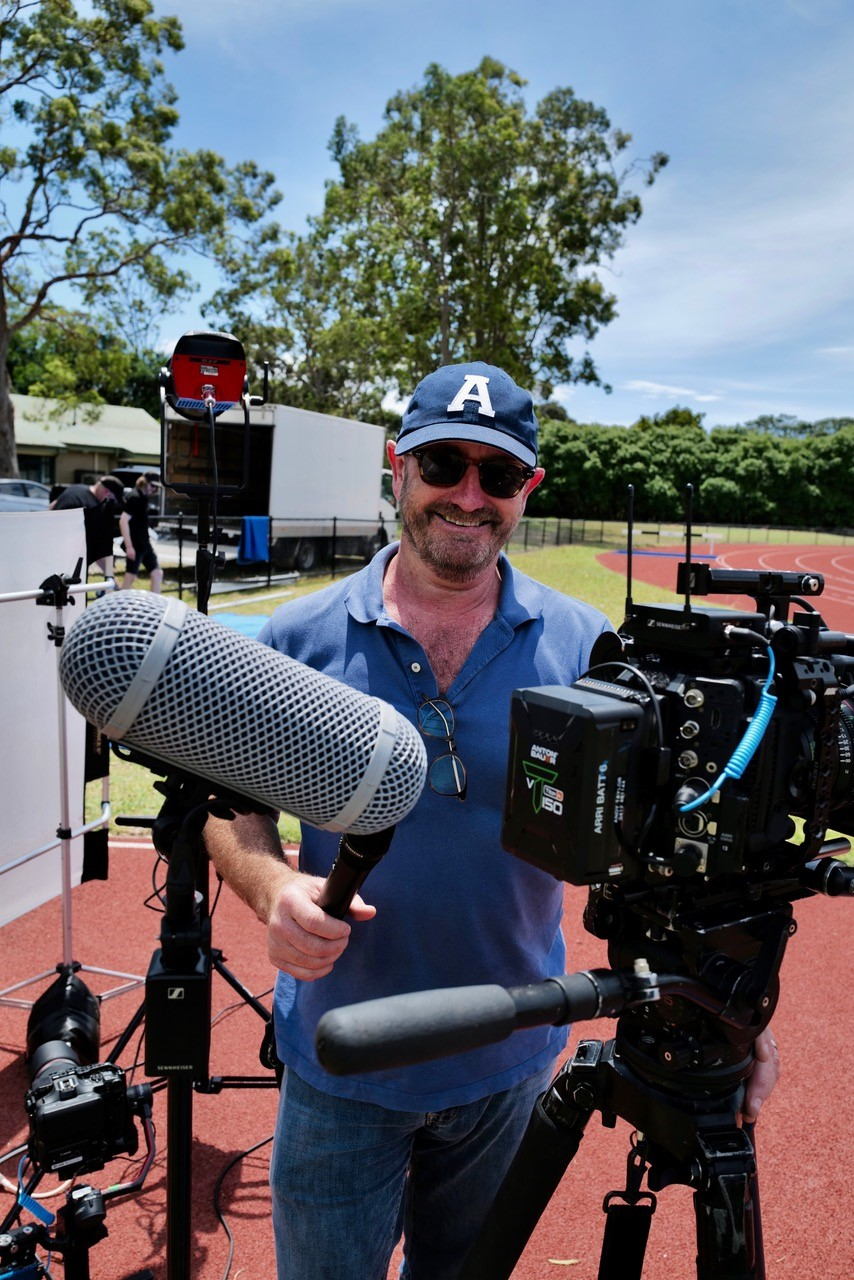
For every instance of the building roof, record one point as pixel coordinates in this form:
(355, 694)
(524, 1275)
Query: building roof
(50, 424)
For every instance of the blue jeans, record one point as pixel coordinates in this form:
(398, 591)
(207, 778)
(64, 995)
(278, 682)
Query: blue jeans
(348, 1178)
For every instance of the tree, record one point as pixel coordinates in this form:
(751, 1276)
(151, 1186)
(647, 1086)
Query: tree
(70, 360)
(721, 500)
(467, 228)
(93, 193)
(283, 305)
(581, 477)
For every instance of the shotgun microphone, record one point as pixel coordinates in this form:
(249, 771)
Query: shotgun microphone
(195, 695)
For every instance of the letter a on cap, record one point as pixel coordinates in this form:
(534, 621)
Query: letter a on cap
(474, 388)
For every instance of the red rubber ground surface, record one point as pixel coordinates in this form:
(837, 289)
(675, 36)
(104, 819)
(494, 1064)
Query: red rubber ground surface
(836, 563)
(804, 1137)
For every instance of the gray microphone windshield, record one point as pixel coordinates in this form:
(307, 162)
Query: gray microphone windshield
(198, 696)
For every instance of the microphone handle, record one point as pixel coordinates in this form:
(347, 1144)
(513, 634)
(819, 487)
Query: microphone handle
(357, 856)
(396, 1031)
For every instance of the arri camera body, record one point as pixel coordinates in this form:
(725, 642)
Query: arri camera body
(634, 774)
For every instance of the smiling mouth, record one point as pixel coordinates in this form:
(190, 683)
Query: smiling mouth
(474, 521)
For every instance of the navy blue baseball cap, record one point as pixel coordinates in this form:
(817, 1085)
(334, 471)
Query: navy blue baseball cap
(474, 401)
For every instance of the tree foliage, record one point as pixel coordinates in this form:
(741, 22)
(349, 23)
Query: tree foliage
(92, 191)
(741, 475)
(69, 360)
(284, 305)
(468, 227)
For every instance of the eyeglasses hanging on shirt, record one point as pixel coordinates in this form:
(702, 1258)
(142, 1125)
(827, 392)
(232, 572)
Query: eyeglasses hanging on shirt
(447, 773)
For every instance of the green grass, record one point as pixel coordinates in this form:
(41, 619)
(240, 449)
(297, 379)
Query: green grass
(576, 572)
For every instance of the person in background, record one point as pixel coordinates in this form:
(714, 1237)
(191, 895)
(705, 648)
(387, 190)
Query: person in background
(443, 627)
(136, 533)
(101, 502)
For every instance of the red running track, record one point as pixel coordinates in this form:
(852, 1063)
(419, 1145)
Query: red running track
(806, 1155)
(836, 563)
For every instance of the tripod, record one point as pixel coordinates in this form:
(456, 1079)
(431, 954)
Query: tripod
(675, 1070)
(694, 1143)
(177, 1006)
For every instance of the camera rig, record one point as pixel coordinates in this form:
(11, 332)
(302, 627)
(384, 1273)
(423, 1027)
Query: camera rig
(669, 779)
(683, 765)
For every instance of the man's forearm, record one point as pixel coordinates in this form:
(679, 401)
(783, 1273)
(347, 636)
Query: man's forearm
(248, 854)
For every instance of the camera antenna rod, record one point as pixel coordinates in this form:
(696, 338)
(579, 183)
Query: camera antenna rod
(689, 529)
(630, 537)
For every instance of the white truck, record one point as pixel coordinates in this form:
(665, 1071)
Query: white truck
(319, 478)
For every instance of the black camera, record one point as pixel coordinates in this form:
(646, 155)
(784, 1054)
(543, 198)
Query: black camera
(80, 1111)
(80, 1118)
(689, 779)
(681, 757)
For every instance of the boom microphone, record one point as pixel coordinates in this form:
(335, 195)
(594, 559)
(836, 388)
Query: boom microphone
(202, 698)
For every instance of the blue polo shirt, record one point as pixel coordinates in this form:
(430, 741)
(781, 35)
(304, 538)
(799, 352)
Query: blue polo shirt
(453, 907)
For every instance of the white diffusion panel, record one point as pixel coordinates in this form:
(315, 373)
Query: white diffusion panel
(35, 545)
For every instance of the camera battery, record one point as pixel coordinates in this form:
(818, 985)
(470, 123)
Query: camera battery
(572, 786)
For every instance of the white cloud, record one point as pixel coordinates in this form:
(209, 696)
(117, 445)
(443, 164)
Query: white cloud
(759, 270)
(749, 241)
(657, 389)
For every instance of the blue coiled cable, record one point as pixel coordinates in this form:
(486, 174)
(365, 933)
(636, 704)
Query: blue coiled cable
(753, 735)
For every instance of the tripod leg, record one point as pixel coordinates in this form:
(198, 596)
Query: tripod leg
(123, 1040)
(551, 1140)
(726, 1205)
(245, 995)
(624, 1242)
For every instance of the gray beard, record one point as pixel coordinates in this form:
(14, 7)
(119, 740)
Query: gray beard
(436, 547)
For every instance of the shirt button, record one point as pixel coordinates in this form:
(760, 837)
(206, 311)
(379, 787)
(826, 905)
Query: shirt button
(416, 667)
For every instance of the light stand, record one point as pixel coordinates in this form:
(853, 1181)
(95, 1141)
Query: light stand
(205, 376)
(56, 592)
(63, 1031)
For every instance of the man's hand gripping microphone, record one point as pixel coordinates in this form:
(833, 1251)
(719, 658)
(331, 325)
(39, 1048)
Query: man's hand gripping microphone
(356, 858)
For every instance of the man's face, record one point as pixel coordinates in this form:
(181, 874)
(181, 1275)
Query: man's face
(457, 531)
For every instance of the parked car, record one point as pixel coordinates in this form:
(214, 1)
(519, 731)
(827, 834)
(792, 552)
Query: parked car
(23, 495)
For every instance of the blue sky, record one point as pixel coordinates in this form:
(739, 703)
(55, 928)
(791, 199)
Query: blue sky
(735, 289)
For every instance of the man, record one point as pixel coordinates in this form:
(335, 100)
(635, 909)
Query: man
(100, 502)
(444, 627)
(136, 534)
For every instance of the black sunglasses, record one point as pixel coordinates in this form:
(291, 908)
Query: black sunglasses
(444, 467)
